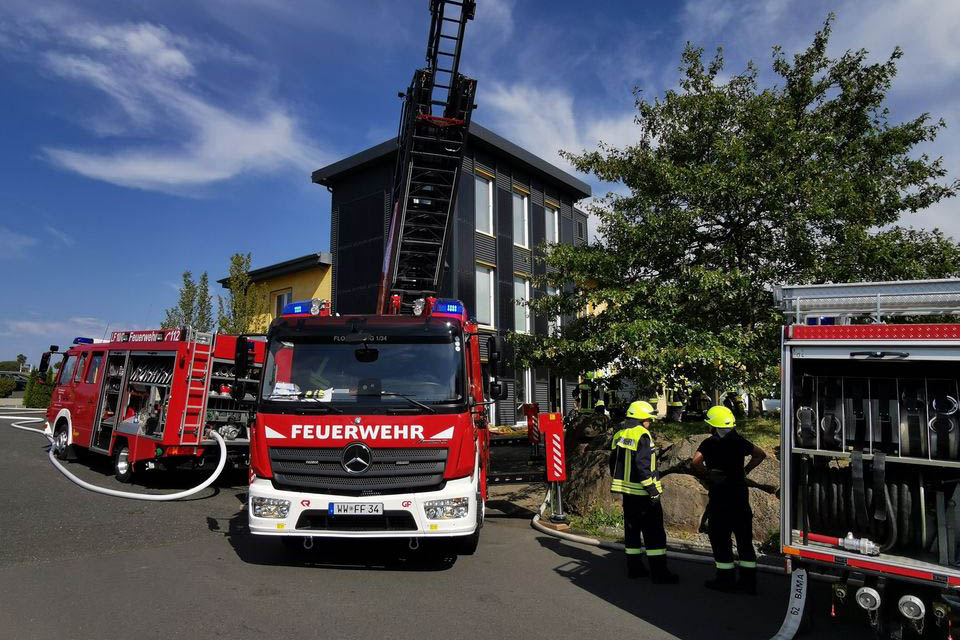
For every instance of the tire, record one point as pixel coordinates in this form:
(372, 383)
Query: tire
(122, 467)
(61, 450)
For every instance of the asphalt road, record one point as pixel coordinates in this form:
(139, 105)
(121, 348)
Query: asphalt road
(74, 564)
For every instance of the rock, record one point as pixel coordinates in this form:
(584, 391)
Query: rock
(676, 457)
(588, 484)
(684, 500)
(766, 514)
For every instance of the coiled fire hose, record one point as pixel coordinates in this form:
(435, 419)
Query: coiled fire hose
(151, 497)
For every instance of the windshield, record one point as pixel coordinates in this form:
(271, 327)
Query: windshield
(363, 372)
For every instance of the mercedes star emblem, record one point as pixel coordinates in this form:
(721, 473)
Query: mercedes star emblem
(356, 458)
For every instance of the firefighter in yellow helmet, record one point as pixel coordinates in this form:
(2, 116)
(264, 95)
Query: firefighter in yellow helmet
(719, 459)
(633, 467)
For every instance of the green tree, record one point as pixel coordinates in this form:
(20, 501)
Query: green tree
(9, 365)
(732, 189)
(193, 308)
(21, 360)
(39, 389)
(245, 308)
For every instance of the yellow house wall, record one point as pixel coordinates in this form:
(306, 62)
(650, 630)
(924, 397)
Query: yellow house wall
(314, 282)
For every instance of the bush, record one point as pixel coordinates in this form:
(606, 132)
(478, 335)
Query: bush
(39, 390)
(7, 386)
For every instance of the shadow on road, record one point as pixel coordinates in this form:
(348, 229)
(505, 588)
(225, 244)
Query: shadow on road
(686, 610)
(342, 554)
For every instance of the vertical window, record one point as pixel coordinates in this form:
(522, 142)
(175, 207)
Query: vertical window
(552, 224)
(553, 326)
(484, 204)
(523, 393)
(485, 288)
(283, 298)
(93, 375)
(520, 220)
(83, 360)
(66, 369)
(581, 230)
(521, 312)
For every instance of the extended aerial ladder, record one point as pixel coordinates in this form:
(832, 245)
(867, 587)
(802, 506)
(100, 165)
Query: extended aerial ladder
(434, 126)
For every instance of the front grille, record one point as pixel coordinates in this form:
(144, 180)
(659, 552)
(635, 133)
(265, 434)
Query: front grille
(316, 520)
(391, 471)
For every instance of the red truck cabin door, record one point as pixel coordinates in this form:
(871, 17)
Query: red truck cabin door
(86, 395)
(63, 392)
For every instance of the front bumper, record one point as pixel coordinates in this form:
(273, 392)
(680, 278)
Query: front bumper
(413, 503)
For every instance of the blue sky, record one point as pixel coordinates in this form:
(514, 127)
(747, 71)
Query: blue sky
(144, 138)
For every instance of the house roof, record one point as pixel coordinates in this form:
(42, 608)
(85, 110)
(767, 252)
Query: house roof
(331, 173)
(324, 258)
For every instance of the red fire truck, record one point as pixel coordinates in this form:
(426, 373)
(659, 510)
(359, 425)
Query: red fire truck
(376, 425)
(151, 397)
(871, 448)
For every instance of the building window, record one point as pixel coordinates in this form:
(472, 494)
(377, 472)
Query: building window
(521, 312)
(553, 327)
(485, 288)
(520, 220)
(581, 230)
(552, 224)
(280, 300)
(484, 204)
(523, 393)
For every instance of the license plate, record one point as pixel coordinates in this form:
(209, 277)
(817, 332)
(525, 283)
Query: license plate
(355, 509)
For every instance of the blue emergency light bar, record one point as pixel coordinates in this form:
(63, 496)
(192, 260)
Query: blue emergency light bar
(83, 340)
(445, 307)
(302, 306)
(306, 307)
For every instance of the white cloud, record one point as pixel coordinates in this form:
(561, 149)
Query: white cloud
(13, 244)
(56, 329)
(159, 92)
(59, 235)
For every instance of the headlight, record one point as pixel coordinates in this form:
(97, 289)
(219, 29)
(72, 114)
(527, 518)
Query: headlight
(270, 507)
(447, 509)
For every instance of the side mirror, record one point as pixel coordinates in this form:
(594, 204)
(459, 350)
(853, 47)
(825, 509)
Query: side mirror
(495, 350)
(498, 390)
(241, 358)
(44, 363)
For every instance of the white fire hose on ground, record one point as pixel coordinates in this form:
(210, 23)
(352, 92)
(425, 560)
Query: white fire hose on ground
(798, 586)
(152, 497)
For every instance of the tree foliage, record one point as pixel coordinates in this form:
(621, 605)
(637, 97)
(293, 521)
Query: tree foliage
(246, 308)
(39, 389)
(732, 189)
(193, 309)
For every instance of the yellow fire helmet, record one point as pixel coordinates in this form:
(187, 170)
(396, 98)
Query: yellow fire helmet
(641, 410)
(720, 417)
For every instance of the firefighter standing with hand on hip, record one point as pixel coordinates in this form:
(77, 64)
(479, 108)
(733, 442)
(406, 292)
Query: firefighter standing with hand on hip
(720, 460)
(633, 467)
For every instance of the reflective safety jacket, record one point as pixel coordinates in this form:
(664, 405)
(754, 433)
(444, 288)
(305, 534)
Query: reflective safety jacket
(633, 463)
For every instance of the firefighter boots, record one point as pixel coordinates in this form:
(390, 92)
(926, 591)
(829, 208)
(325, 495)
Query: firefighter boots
(635, 567)
(659, 573)
(723, 581)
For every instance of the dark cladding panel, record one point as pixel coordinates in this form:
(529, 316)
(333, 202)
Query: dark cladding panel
(505, 259)
(359, 254)
(464, 250)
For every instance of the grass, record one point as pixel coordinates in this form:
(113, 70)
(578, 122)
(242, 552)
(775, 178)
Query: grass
(598, 521)
(763, 432)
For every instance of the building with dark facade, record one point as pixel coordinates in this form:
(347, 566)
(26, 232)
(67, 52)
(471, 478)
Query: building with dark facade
(510, 201)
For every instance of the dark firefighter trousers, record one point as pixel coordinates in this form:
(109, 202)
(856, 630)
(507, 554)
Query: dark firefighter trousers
(729, 516)
(643, 525)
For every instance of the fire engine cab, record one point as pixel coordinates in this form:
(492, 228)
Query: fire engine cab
(151, 397)
(371, 426)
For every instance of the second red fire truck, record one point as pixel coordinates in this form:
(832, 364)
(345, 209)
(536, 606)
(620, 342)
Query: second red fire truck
(150, 398)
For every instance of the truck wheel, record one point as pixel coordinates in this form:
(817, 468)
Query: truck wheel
(122, 467)
(60, 439)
